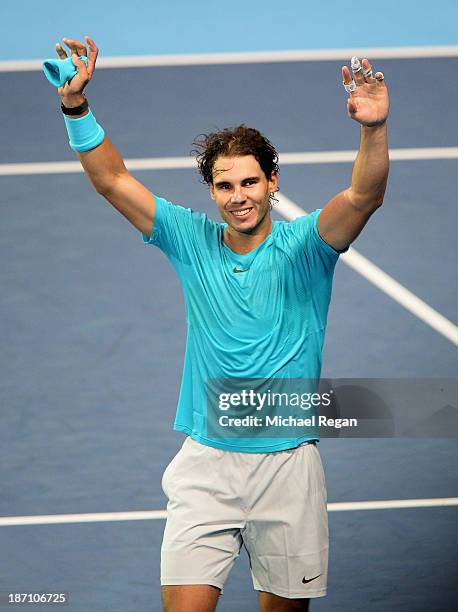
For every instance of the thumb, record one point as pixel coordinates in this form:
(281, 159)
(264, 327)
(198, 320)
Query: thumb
(351, 105)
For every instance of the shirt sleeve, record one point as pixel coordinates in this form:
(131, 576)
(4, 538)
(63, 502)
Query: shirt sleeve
(322, 255)
(175, 230)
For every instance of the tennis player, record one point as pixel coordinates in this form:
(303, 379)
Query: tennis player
(257, 294)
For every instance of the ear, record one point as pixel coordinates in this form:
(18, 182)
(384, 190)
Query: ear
(273, 182)
(212, 191)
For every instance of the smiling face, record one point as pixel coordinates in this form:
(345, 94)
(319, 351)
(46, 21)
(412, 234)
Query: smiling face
(241, 192)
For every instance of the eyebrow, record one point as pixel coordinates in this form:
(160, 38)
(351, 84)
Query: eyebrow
(250, 178)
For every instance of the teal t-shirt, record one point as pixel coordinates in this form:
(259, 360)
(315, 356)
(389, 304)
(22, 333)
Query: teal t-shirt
(266, 322)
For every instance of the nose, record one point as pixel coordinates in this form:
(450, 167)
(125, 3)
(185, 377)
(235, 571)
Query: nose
(238, 195)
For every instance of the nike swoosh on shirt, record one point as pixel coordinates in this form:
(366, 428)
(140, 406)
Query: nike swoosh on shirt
(236, 270)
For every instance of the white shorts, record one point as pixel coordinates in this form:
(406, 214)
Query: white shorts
(272, 503)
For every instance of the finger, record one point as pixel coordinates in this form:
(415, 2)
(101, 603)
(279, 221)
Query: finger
(357, 69)
(347, 80)
(79, 46)
(75, 45)
(93, 53)
(379, 77)
(367, 71)
(60, 52)
(80, 66)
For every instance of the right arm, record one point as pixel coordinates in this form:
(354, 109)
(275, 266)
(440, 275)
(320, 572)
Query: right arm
(103, 165)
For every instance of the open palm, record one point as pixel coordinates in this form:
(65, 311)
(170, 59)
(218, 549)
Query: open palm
(369, 103)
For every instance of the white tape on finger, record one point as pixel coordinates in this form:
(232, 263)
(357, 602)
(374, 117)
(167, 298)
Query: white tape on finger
(355, 64)
(349, 87)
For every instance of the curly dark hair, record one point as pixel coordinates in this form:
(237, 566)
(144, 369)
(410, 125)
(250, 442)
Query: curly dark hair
(235, 141)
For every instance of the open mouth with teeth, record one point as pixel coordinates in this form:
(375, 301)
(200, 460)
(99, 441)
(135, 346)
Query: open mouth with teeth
(243, 212)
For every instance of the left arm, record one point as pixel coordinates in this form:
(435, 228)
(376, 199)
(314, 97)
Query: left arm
(345, 215)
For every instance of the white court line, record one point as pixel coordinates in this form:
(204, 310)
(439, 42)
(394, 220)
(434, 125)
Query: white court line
(392, 504)
(382, 280)
(146, 515)
(249, 57)
(181, 163)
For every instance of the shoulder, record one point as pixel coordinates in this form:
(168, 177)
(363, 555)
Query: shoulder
(185, 222)
(167, 211)
(303, 231)
(299, 228)
(176, 225)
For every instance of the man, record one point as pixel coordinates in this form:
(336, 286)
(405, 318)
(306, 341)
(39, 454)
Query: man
(257, 294)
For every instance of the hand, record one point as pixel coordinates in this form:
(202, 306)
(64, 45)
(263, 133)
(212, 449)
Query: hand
(72, 92)
(369, 103)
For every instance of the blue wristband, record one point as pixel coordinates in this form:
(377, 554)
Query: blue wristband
(84, 133)
(58, 72)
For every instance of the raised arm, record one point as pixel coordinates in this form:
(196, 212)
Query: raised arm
(103, 165)
(345, 215)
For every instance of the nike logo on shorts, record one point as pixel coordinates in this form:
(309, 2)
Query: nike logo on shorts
(305, 580)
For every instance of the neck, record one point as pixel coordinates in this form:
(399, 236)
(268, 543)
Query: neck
(243, 243)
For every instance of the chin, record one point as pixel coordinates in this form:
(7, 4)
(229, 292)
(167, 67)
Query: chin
(245, 229)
